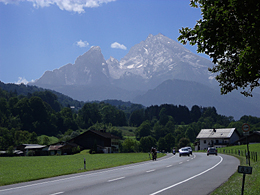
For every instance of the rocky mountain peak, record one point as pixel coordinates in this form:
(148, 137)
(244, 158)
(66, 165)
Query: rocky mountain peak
(150, 36)
(112, 59)
(92, 55)
(158, 58)
(88, 69)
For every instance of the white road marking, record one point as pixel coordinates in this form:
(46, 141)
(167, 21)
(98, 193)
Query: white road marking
(221, 159)
(180, 163)
(115, 179)
(57, 193)
(150, 171)
(169, 166)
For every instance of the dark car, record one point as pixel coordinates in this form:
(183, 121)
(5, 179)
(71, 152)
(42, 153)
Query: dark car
(212, 150)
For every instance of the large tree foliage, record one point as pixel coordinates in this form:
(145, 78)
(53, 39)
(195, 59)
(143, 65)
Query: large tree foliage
(229, 33)
(147, 142)
(143, 130)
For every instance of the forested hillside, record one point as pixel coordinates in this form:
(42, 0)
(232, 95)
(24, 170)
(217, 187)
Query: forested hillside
(25, 117)
(25, 90)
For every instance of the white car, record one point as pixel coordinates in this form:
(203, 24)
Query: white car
(190, 149)
(184, 152)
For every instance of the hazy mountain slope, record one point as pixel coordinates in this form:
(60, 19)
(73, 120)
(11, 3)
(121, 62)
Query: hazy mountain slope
(93, 93)
(24, 90)
(189, 93)
(89, 69)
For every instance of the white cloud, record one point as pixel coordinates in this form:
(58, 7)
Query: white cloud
(68, 5)
(21, 80)
(82, 43)
(9, 1)
(117, 45)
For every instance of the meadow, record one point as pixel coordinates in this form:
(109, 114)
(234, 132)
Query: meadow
(28, 168)
(234, 184)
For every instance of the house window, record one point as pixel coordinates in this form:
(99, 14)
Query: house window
(217, 141)
(114, 142)
(205, 141)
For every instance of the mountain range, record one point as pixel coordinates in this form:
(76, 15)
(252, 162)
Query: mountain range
(155, 71)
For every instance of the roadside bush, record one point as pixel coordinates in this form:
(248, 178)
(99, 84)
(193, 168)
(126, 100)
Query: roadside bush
(76, 150)
(130, 145)
(30, 153)
(10, 151)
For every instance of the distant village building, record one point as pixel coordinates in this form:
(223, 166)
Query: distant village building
(61, 148)
(34, 149)
(253, 137)
(217, 138)
(105, 142)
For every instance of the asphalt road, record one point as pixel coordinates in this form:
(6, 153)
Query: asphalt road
(198, 174)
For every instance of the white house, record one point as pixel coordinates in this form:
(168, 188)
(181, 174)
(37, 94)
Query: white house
(217, 137)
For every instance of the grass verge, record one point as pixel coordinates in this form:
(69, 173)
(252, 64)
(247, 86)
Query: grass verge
(21, 169)
(252, 182)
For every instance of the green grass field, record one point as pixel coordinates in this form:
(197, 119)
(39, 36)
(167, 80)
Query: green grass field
(234, 184)
(52, 139)
(20, 169)
(128, 132)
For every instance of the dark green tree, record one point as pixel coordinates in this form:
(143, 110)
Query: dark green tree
(50, 98)
(179, 133)
(46, 140)
(136, 118)
(68, 120)
(146, 143)
(130, 145)
(184, 142)
(4, 112)
(195, 113)
(108, 114)
(163, 117)
(6, 138)
(143, 130)
(170, 127)
(162, 144)
(189, 133)
(89, 115)
(10, 150)
(22, 137)
(160, 131)
(229, 34)
(23, 109)
(169, 141)
(12, 101)
(33, 138)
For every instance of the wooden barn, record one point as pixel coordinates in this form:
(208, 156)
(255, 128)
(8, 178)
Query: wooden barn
(105, 142)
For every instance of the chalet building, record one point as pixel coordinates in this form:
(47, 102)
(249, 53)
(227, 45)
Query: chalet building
(105, 142)
(253, 137)
(217, 138)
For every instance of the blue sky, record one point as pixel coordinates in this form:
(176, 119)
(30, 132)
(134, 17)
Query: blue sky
(37, 35)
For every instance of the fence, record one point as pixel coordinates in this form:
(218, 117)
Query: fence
(252, 155)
